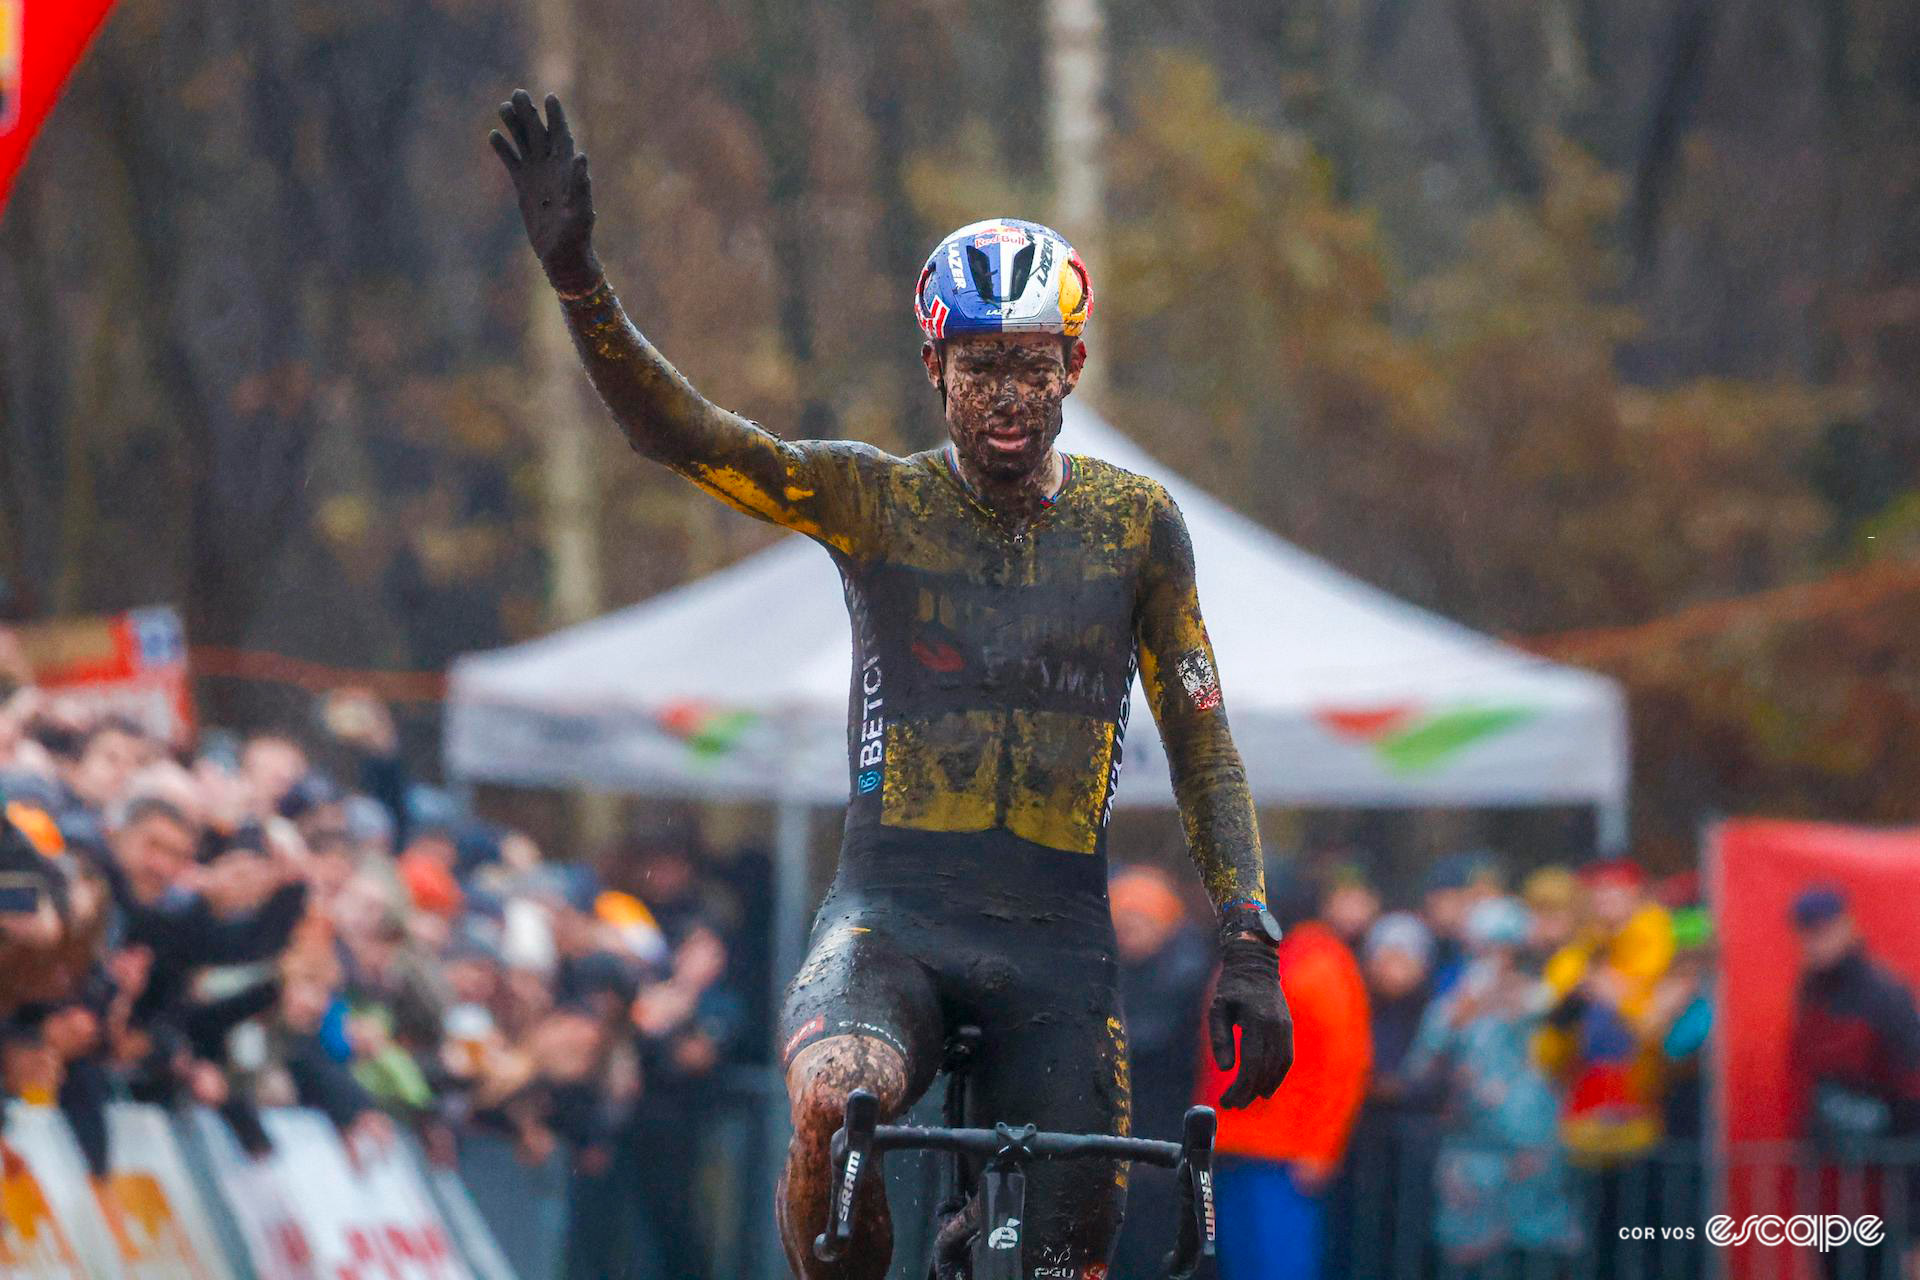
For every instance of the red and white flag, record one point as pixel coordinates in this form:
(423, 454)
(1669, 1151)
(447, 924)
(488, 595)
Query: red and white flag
(40, 42)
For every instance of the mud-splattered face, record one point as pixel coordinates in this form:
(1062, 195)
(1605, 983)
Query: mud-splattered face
(1004, 393)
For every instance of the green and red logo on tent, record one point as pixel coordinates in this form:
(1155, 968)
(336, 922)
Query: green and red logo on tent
(708, 731)
(1411, 739)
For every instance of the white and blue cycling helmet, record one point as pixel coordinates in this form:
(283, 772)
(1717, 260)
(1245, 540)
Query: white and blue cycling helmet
(1003, 275)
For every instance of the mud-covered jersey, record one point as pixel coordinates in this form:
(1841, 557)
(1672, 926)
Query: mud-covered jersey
(992, 667)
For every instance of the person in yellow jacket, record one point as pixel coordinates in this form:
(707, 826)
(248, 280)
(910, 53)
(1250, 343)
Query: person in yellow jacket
(1597, 1041)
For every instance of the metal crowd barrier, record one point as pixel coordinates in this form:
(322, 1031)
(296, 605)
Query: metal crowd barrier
(1640, 1219)
(1648, 1217)
(553, 1224)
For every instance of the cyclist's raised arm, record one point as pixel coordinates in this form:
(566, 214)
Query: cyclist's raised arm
(810, 486)
(1183, 688)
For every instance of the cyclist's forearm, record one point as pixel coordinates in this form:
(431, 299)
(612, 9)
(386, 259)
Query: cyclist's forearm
(1216, 806)
(1178, 672)
(1217, 810)
(668, 421)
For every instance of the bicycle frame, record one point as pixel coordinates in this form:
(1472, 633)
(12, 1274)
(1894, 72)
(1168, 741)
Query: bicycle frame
(1006, 1151)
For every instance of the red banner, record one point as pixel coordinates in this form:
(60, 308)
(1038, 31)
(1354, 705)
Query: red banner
(1758, 869)
(40, 42)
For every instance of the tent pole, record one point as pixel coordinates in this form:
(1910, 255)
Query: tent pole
(792, 868)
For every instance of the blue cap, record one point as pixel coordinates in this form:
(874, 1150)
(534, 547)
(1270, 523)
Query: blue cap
(1401, 931)
(1458, 870)
(1818, 905)
(1498, 922)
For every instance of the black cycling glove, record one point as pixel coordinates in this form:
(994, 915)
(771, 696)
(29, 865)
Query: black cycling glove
(1248, 996)
(555, 191)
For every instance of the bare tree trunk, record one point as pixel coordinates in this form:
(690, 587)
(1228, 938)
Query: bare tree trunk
(34, 415)
(1683, 75)
(1501, 121)
(570, 480)
(1077, 125)
(577, 584)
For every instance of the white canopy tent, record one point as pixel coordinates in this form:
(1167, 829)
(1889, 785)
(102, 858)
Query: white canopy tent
(1340, 695)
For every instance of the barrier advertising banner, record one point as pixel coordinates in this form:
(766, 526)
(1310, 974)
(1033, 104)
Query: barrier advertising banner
(197, 1207)
(311, 1212)
(51, 1227)
(132, 664)
(151, 1204)
(375, 1221)
(270, 1231)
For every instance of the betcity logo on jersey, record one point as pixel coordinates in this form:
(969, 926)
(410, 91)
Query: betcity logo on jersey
(873, 729)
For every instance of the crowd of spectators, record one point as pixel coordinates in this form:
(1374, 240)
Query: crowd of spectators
(1486, 1080)
(1498, 1079)
(233, 925)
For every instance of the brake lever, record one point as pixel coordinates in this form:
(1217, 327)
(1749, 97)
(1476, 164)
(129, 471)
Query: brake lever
(1194, 1243)
(851, 1151)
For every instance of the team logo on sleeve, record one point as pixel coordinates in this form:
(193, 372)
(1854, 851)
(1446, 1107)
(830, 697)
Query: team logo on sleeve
(1197, 678)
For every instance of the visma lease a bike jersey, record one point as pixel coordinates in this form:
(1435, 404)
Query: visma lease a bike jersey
(991, 669)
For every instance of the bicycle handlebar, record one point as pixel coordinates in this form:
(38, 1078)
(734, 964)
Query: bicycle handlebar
(1028, 1143)
(860, 1139)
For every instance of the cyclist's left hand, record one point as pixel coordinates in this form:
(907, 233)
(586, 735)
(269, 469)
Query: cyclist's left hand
(1248, 996)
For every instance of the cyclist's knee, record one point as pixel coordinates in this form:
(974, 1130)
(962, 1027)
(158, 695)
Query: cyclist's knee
(824, 1073)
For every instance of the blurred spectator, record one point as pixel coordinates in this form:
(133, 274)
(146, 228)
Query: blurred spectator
(1166, 962)
(1855, 1051)
(1277, 1157)
(1680, 1018)
(1603, 1047)
(271, 763)
(1351, 905)
(104, 758)
(1599, 1042)
(657, 969)
(1854, 1062)
(1680, 1021)
(1504, 1202)
(1399, 956)
(1557, 903)
(1454, 886)
(1388, 1174)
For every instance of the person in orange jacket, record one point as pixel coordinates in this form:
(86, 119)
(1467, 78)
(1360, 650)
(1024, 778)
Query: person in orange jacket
(1277, 1156)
